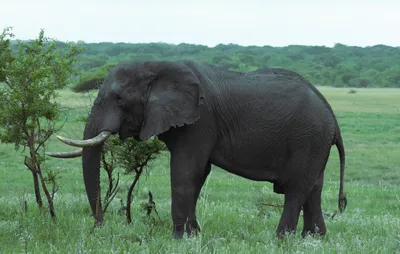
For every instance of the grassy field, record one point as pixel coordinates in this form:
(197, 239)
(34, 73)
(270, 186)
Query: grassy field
(230, 209)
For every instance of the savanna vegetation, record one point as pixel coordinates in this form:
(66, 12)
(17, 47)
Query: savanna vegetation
(236, 215)
(339, 66)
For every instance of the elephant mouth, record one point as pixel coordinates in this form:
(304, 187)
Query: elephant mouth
(127, 133)
(125, 137)
(129, 129)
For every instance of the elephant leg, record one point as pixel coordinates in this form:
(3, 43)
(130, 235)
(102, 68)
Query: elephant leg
(290, 216)
(187, 169)
(192, 227)
(302, 176)
(313, 218)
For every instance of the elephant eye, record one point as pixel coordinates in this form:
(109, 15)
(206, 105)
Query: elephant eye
(119, 100)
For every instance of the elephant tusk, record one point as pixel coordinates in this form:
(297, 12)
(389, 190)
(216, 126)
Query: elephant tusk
(99, 139)
(72, 154)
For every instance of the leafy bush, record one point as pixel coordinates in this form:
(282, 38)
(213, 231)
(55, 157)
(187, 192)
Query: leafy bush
(93, 79)
(131, 155)
(89, 81)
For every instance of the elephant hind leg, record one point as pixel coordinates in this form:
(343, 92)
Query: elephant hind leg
(290, 216)
(302, 189)
(313, 218)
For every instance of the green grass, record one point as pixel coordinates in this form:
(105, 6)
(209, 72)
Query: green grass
(230, 209)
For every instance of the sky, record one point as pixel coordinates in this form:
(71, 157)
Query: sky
(208, 22)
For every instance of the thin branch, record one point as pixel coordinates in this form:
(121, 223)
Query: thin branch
(273, 205)
(24, 128)
(111, 198)
(48, 196)
(116, 184)
(38, 135)
(48, 134)
(129, 198)
(38, 125)
(27, 163)
(62, 125)
(7, 83)
(54, 188)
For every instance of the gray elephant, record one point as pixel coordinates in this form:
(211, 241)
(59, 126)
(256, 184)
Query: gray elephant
(267, 125)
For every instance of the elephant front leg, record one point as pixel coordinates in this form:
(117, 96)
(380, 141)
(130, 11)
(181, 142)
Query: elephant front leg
(192, 226)
(182, 200)
(186, 175)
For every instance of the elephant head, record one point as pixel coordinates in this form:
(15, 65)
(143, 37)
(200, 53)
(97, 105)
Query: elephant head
(136, 99)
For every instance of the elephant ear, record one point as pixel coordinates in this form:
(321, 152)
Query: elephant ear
(173, 101)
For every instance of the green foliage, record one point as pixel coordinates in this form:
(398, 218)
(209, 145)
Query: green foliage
(131, 154)
(339, 66)
(32, 75)
(92, 79)
(5, 51)
(28, 111)
(89, 81)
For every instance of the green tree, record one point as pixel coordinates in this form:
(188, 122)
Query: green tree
(28, 111)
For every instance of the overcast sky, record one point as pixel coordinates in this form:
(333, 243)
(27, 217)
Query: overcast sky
(208, 22)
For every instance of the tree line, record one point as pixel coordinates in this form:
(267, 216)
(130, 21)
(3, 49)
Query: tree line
(338, 66)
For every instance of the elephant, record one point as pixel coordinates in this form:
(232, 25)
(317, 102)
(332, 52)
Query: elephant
(267, 125)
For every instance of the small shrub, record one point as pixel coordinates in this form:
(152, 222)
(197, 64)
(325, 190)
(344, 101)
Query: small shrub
(93, 79)
(133, 156)
(89, 81)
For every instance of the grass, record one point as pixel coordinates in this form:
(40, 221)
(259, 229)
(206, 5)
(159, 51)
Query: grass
(230, 209)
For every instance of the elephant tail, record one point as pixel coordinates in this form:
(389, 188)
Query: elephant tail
(342, 203)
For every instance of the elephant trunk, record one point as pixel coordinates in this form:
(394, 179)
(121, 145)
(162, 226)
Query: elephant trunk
(91, 156)
(91, 172)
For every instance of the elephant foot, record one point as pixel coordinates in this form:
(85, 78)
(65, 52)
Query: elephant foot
(305, 233)
(178, 232)
(280, 233)
(98, 223)
(317, 230)
(192, 228)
